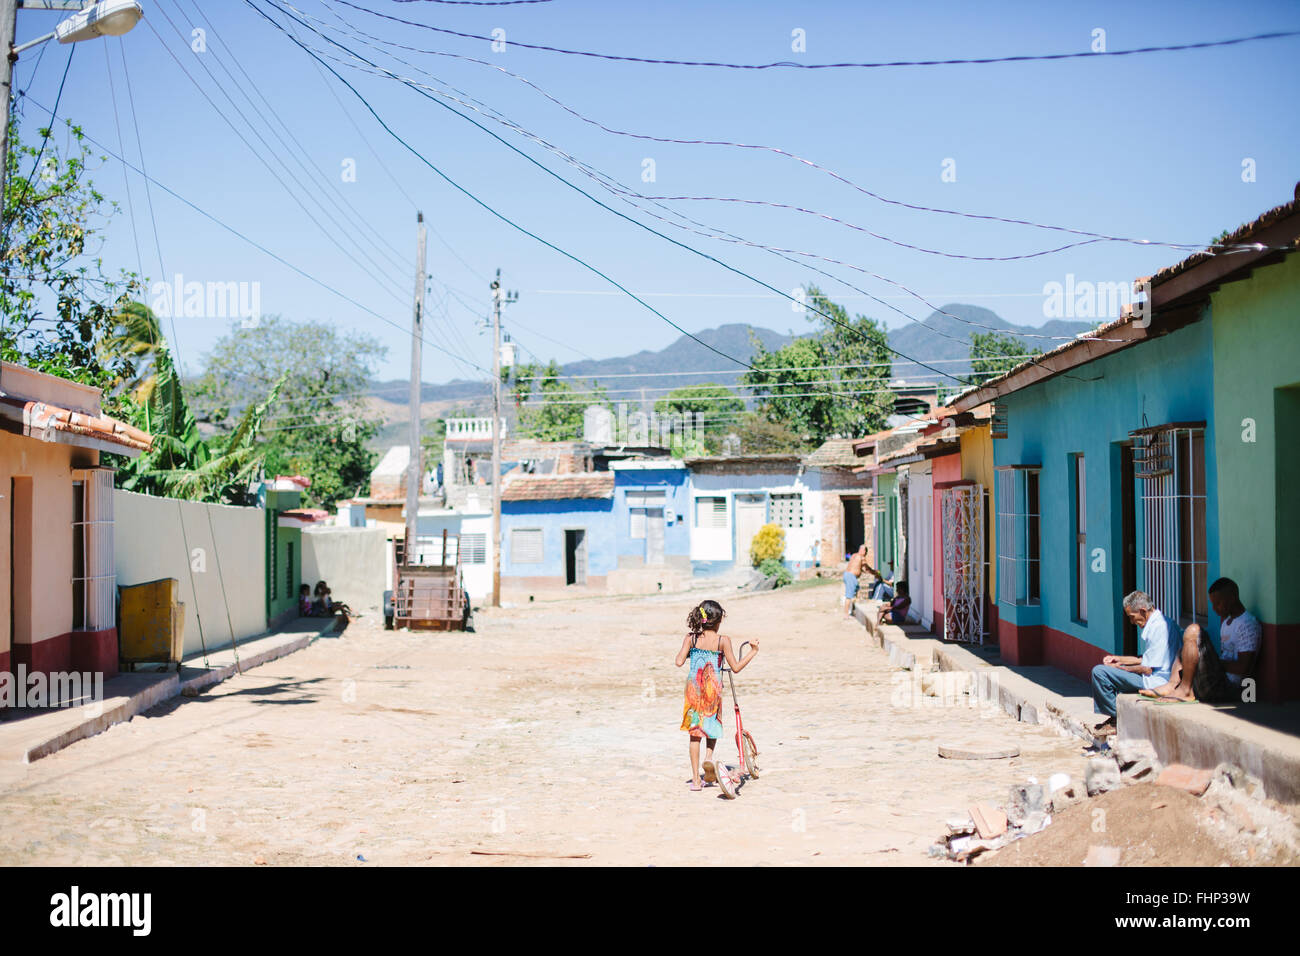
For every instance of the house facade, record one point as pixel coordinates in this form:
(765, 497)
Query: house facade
(651, 508)
(557, 530)
(57, 578)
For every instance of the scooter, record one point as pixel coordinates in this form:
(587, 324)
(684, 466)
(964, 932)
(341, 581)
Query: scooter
(745, 745)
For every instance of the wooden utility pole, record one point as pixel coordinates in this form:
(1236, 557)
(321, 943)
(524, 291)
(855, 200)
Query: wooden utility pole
(414, 472)
(496, 440)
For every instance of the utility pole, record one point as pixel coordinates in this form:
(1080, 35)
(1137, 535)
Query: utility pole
(496, 440)
(414, 475)
(8, 34)
(498, 299)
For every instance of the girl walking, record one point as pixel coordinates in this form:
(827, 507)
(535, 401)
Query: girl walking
(706, 649)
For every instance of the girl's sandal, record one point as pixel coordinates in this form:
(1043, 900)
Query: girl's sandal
(695, 787)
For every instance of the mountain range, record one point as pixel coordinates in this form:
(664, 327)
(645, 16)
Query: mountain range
(942, 342)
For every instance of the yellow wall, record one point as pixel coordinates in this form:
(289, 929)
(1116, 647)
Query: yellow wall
(48, 580)
(977, 465)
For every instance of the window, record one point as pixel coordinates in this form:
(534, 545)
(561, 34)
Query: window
(94, 581)
(473, 548)
(710, 512)
(1170, 468)
(288, 569)
(787, 510)
(1017, 517)
(526, 545)
(639, 504)
(1080, 541)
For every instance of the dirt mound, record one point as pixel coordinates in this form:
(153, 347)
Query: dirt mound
(1149, 824)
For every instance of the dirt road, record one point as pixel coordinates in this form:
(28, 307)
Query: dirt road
(550, 735)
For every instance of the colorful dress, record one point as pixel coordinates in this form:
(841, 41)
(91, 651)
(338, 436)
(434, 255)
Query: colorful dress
(703, 695)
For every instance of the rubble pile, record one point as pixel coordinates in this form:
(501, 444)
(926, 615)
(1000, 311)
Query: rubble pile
(1235, 800)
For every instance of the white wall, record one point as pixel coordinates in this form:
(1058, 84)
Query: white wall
(352, 561)
(477, 577)
(716, 544)
(216, 552)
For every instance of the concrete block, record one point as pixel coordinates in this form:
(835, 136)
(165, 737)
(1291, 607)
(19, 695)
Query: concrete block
(1186, 778)
(1102, 775)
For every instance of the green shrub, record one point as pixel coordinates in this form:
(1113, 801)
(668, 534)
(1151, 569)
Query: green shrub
(768, 543)
(773, 568)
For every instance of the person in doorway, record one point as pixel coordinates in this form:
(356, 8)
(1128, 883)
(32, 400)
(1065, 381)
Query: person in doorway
(706, 649)
(1201, 672)
(1125, 674)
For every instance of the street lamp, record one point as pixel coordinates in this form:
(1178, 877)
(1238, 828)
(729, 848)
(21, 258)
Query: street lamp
(89, 20)
(105, 18)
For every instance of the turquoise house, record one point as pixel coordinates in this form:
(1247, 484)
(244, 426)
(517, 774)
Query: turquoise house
(1110, 453)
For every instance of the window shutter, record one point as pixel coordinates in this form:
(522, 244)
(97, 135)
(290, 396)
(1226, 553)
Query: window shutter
(473, 548)
(526, 545)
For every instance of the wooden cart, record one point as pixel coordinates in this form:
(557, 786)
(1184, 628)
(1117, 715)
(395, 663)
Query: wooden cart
(428, 596)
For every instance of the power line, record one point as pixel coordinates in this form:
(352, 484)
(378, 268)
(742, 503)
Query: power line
(835, 66)
(481, 203)
(566, 182)
(258, 246)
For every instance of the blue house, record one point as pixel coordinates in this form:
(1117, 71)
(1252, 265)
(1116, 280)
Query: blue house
(1104, 483)
(558, 530)
(651, 508)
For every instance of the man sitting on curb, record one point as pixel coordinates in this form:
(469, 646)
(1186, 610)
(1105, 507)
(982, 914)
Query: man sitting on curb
(1201, 673)
(1120, 674)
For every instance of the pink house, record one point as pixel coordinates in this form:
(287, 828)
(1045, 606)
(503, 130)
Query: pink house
(57, 581)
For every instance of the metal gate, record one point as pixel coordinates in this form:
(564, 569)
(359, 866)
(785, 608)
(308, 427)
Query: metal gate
(963, 563)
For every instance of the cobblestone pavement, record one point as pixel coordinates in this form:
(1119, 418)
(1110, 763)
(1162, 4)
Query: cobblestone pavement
(549, 735)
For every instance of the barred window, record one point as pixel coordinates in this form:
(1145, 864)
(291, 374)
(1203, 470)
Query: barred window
(710, 512)
(1169, 462)
(787, 510)
(526, 545)
(1018, 534)
(473, 548)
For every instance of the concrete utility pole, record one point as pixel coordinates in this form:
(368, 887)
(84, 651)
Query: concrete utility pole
(414, 476)
(499, 298)
(496, 440)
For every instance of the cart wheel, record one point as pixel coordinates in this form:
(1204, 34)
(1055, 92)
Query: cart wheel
(751, 756)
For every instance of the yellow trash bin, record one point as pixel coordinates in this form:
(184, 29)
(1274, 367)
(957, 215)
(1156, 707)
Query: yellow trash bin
(152, 623)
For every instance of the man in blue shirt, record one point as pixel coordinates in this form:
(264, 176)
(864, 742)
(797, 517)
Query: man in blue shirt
(1120, 674)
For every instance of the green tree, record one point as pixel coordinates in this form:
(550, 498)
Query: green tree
(709, 411)
(57, 299)
(320, 422)
(181, 463)
(832, 383)
(759, 436)
(548, 408)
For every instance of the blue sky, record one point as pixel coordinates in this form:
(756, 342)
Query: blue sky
(1146, 146)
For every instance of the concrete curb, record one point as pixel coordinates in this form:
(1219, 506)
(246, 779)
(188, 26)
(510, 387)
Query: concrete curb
(1015, 694)
(1204, 736)
(121, 709)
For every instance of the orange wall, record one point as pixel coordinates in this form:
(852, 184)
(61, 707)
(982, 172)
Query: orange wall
(48, 581)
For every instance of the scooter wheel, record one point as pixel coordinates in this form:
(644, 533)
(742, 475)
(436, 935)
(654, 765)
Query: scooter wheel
(751, 756)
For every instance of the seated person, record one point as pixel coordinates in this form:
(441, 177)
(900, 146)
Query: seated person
(1125, 674)
(895, 612)
(1200, 672)
(304, 601)
(326, 606)
(882, 589)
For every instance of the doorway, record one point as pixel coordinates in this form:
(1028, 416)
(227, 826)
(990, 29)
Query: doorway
(854, 527)
(654, 536)
(575, 556)
(1128, 552)
(751, 512)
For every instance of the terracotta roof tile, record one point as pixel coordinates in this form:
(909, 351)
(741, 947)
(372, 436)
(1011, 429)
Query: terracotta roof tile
(596, 484)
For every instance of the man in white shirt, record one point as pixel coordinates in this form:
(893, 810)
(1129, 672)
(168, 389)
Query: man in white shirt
(1201, 673)
(1125, 674)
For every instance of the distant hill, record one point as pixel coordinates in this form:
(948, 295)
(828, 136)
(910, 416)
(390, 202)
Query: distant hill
(940, 340)
(947, 340)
